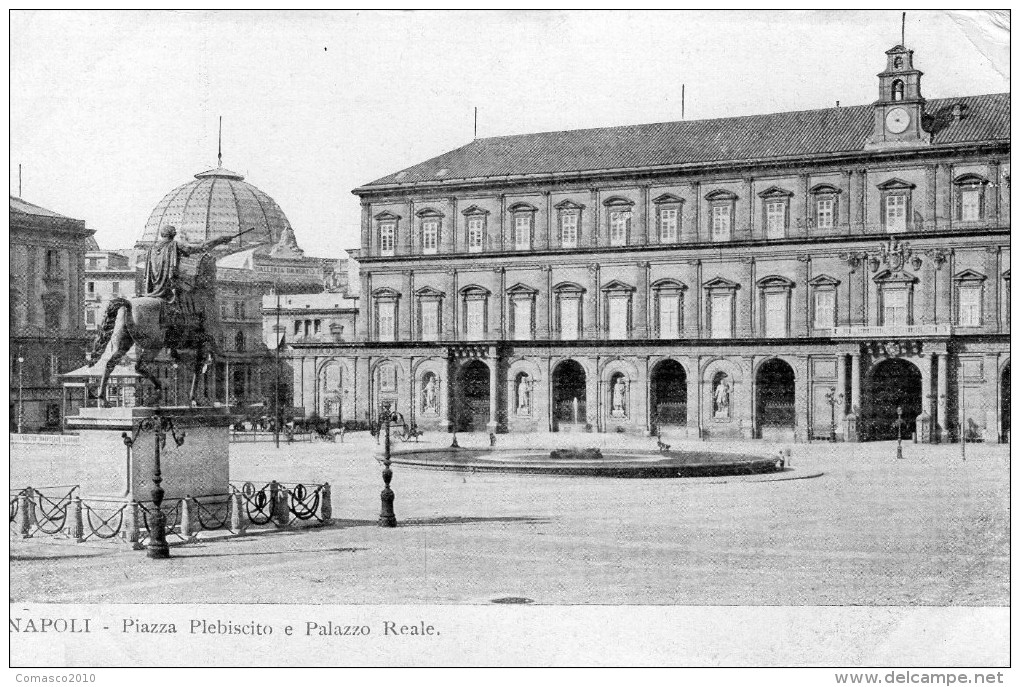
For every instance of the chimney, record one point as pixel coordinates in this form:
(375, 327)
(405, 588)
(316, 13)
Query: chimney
(958, 109)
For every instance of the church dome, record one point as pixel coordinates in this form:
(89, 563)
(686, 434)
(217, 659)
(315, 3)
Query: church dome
(218, 203)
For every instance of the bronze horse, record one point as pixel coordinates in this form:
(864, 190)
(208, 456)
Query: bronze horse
(182, 323)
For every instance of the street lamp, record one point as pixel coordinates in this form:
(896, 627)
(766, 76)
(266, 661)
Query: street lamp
(387, 518)
(21, 389)
(833, 399)
(176, 365)
(159, 426)
(899, 432)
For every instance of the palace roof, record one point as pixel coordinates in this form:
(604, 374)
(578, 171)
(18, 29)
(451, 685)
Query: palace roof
(777, 136)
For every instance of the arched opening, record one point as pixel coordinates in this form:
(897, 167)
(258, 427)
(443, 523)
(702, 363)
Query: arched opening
(775, 394)
(669, 394)
(897, 90)
(473, 397)
(892, 384)
(569, 394)
(1004, 406)
(330, 392)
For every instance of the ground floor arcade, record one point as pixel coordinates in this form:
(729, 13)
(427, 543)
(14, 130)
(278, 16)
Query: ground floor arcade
(786, 390)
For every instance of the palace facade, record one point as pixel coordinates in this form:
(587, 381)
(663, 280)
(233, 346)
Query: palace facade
(840, 273)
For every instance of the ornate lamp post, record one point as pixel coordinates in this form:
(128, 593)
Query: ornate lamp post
(158, 425)
(899, 432)
(833, 399)
(386, 516)
(176, 365)
(21, 389)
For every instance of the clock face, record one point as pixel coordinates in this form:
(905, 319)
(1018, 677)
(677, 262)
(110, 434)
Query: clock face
(897, 120)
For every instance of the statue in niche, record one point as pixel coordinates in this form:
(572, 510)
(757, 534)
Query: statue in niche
(524, 395)
(722, 397)
(431, 394)
(619, 399)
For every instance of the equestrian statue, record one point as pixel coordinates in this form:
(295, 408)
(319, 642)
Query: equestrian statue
(176, 312)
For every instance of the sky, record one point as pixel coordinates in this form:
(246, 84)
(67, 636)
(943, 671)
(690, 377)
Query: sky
(110, 111)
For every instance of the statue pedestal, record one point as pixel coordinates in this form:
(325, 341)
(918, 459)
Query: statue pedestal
(850, 428)
(109, 469)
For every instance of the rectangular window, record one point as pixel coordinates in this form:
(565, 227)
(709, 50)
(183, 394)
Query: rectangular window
(618, 317)
(522, 319)
(317, 326)
(91, 287)
(824, 213)
(775, 315)
(721, 306)
(476, 229)
(430, 320)
(896, 214)
(90, 316)
(619, 222)
(429, 236)
(721, 222)
(115, 286)
(569, 230)
(387, 238)
(825, 309)
(297, 327)
(669, 225)
(475, 325)
(970, 306)
(522, 232)
(569, 317)
(387, 321)
(54, 364)
(775, 220)
(669, 317)
(894, 307)
(970, 205)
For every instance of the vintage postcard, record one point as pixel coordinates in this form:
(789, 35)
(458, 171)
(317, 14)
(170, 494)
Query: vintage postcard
(511, 338)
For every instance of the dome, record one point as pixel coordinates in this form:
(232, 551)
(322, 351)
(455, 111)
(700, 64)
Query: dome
(218, 203)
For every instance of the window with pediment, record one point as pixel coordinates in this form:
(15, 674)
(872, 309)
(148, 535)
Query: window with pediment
(522, 219)
(475, 220)
(721, 212)
(618, 297)
(569, 220)
(825, 206)
(896, 298)
(896, 205)
(668, 306)
(386, 226)
(430, 313)
(522, 312)
(774, 292)
(474, 311)
(970, 287)
(775, 209)
(568, 298)
(970, 197)
(619, 212)
(668, 215)
(823, 302)
(386, 312)
(430, 228)
(720, 297)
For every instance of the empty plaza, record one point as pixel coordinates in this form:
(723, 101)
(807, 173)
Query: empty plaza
(845, 524)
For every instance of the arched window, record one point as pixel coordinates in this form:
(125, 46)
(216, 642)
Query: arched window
(897, 90)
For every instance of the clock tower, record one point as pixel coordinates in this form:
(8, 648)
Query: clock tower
(899, 107)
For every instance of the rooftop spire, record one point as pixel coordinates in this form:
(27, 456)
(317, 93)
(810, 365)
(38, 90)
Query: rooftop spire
(219, 151)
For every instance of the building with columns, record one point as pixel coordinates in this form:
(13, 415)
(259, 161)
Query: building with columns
(47, 324)
(833, 273)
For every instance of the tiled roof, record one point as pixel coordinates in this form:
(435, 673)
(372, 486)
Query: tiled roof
(26, 208)
(769, 136)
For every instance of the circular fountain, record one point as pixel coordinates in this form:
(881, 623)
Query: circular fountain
(590, 462)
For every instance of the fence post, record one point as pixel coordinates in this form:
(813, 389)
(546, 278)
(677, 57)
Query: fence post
(33, 519)
(281, 507)
(327, 505)
(77, 522)
(187, 534)
(238, 521)
(132, 531)
(23, 522)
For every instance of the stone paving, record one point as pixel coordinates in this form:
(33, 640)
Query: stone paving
(870, 530)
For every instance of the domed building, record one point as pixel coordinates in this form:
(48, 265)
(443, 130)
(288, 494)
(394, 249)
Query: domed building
(217, 203)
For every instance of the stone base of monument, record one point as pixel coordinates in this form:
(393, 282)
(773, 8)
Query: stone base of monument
(108, 468)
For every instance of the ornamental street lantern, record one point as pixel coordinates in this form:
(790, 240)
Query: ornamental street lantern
(159, 426)
(833, 399)
(387, 518)
(899, 432)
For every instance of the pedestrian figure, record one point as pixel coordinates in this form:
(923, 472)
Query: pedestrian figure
(492, 439)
